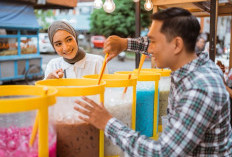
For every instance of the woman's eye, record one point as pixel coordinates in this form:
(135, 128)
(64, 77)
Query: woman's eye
(58, 44)
(69, 40)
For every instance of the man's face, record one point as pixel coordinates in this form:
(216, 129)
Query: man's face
(159, 47)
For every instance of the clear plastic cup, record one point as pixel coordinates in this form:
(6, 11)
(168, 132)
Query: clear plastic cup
(164, 122)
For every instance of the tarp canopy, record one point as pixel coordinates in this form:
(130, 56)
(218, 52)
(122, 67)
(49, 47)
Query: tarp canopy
(17, 15)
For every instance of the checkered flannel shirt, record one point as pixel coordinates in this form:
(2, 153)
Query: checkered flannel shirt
(198, 117)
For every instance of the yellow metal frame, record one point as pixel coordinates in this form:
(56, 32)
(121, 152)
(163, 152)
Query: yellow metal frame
(78, 87)
(148, 76)
(40, 102)
(114, 80)
(163, 72)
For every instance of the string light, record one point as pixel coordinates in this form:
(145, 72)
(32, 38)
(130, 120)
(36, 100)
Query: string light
(109, 6)
(148, 5)
(98, 4)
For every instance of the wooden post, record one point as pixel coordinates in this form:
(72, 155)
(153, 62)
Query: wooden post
(202, 24)
(213, 28)
(155, 9)
(230, 64)
(137, 30)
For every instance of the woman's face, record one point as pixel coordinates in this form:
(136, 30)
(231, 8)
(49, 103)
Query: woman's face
(65, 44)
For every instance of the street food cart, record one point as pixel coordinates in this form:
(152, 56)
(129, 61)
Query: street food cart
(19, 42)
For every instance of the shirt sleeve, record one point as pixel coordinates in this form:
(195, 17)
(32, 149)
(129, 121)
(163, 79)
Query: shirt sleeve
(49, 69)
(184, 131)
(138, 45)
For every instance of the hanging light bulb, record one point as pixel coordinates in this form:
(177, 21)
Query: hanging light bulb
(109, 6)
(148, 5)
(98, 4)
(136, 0)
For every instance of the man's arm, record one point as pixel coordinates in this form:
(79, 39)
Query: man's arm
(138, 45)
(114, 45)
(184, 130)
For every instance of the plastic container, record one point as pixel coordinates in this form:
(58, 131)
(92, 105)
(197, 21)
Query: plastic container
(164, 88)
(19, 105)
(75, 137)
(146, 102)
(122, 106)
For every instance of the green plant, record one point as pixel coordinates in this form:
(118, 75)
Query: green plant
(43, 16)
(121, 22)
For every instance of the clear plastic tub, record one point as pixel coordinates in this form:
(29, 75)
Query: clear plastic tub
(74, 136)
(17, 118)
(120, 105)
(164, 88)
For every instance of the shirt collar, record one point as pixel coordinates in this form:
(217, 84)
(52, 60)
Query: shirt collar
(190, 67)
(81, 63)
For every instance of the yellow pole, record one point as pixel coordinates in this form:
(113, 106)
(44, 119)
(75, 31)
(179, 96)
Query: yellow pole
(101, 134)
(156, 107)
(133, 118)
(43, 131)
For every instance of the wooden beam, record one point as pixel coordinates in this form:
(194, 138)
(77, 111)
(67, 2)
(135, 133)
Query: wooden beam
(166, 2)
(202, 24)
(194, 10)
(226, 9)
(201, 14)
(213, 28)
(230, 64)
(69, 3)
(201, 6)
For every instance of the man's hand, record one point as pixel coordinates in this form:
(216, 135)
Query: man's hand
(114, 45)
(97, 115)
(56, 74)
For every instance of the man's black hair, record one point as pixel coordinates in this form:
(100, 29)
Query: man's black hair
(179, 22)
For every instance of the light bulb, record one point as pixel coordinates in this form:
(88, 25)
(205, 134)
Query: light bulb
(109, 6)
(98, 4)
(148, 5)
(136, 0)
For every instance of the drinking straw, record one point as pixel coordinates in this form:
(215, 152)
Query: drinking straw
(102, 69)
(125, 89)
(36, 123)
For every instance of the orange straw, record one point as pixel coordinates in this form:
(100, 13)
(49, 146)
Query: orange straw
(102, 69)
(36, 123)
(141, 63)
(125, 89)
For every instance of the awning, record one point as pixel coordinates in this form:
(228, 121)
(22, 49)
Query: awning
(17, 15)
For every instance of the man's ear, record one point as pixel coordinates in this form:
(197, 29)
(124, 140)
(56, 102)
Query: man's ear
(178, 44)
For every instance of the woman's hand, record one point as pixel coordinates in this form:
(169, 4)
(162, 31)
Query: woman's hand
(97, 115)
(56, 74)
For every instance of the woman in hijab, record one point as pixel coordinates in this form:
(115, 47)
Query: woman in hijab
(74, 62)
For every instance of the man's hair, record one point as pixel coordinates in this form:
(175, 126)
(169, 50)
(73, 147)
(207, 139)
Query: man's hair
(179, 22)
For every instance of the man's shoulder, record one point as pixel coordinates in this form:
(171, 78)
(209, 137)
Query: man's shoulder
(208, 77)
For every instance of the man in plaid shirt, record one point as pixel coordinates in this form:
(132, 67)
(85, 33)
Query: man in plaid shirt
(199, 112)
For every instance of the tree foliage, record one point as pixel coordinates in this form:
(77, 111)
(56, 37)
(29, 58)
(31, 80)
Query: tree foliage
(121, 22)
(44, 17)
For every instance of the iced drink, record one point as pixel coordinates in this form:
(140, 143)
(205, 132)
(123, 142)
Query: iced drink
(77, 140)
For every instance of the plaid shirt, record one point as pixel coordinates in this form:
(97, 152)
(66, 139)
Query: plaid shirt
(198, 117)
